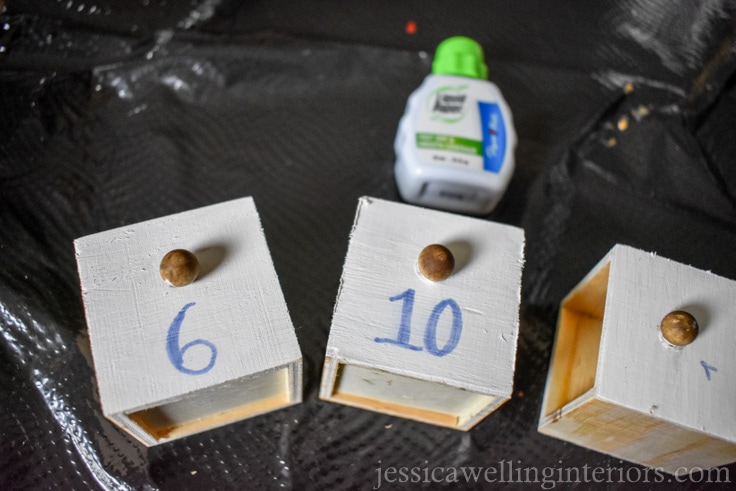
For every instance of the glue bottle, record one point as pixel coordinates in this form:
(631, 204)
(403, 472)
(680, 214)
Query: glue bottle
(455, 143)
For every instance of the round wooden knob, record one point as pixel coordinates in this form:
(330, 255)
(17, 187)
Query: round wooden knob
(679, 328)
(436, 262)
(179, 267)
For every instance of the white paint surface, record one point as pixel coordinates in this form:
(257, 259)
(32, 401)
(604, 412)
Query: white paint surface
(637, 370)
(385, 243)
(239, 306)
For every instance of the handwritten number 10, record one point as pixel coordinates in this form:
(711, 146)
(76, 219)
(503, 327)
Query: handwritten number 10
(403, 338)
(176, 353)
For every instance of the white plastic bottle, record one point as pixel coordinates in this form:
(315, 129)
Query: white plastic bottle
(455, 144)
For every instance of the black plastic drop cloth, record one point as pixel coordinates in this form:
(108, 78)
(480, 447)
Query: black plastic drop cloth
(111, 114)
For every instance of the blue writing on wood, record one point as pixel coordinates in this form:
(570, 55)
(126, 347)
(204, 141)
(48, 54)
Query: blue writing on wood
(403, 338)
(176, 353)
(430, 334)
(708, 369)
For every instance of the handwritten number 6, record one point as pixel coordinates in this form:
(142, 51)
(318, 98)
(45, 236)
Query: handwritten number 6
(176, 353)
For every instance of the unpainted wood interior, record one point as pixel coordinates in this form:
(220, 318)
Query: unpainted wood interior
(216, 406)
(575, 355)
(639, 437)
(420, 400)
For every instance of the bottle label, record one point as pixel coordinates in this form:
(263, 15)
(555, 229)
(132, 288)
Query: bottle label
(448, 104)
(494, 136)
(453, 128)
(449, 143)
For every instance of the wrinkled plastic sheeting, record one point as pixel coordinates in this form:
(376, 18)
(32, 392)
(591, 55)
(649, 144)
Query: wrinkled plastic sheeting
(624, 140)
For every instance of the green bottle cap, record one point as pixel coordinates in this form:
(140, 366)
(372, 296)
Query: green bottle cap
(462, 56)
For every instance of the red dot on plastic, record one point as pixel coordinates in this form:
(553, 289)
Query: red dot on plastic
(411, 27)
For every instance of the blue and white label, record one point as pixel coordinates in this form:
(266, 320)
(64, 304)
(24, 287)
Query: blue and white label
(494, 136)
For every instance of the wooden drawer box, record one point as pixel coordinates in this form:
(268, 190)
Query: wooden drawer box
(438, 352)
(616, 385)
(175, 361)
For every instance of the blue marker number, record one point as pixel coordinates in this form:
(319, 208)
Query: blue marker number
(176, 353)
(430, 334)
(403, 338)
(708, 369)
